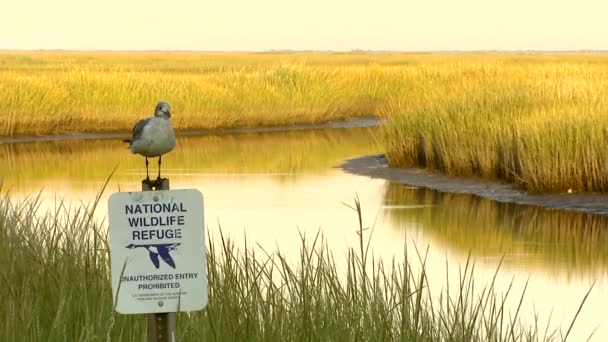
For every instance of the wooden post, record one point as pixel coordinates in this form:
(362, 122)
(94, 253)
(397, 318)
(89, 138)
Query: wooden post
(162, 327)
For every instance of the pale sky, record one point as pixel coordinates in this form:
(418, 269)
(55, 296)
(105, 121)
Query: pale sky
(260, 25)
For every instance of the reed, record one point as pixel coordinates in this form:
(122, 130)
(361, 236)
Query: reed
(538, 123)
(536, 120)
(56, 286)
(50, 93)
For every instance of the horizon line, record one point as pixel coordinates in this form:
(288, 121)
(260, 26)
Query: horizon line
(288, 51)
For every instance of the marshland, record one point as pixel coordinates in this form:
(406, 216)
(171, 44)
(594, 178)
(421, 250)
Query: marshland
(285, 243)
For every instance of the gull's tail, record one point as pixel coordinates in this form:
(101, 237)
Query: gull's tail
(127, 140)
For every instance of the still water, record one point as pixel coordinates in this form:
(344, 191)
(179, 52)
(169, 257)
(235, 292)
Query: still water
(272, 187)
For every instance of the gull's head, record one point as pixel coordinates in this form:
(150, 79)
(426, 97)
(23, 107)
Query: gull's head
(162, 110)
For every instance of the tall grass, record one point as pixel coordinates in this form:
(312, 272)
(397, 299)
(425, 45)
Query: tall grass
(536, 120)
(49, 93)
(55, 286)
(539, 124)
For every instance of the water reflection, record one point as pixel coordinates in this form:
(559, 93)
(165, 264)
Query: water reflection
(86, 163)
(275, 171)
(561, 243)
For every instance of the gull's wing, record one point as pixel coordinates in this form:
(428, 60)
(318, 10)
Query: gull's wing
(139, 128)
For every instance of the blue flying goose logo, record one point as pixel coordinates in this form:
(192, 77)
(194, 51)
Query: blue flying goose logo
(159, 249)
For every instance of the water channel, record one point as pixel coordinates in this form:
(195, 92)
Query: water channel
(271, 186)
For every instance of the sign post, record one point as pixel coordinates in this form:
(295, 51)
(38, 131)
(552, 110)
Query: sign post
(157, 249)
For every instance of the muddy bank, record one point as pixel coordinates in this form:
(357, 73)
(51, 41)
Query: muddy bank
(355, 123)
(376, 166)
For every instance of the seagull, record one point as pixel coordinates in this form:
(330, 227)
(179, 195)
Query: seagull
(162, 249)
(153, 136)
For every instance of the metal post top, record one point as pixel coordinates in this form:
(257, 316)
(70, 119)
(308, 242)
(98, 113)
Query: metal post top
(157, 184)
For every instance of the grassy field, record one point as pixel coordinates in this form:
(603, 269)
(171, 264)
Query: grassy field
(537, 120)
(55, 286)
(59, 92)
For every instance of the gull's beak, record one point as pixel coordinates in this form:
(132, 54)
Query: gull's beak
(168, 114)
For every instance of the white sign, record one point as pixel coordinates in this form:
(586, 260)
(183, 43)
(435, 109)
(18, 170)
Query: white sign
(157, 247)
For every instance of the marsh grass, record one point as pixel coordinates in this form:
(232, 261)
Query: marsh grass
(49, 93)
(55, 286)
(536, 120)
(540, 125)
